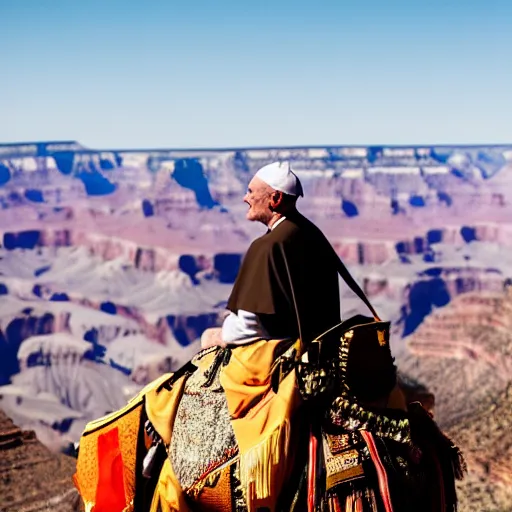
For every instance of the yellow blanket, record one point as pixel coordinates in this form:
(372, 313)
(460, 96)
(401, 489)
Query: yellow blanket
(261, 420)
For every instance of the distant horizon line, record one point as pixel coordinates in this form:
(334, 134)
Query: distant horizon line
(251, 148)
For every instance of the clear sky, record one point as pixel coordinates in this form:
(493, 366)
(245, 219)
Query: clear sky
(219, 73)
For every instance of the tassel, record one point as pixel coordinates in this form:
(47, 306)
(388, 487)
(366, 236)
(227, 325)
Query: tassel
(260, 465)
(297, 496)
(381, 471)
(88, 506)
(149, 461)
(371, 502)
(313, 450)
(359, 502)
(459, 464)
(349, 503)
(448, 460)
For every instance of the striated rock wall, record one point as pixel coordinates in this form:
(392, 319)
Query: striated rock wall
(469, 344)
(33, 479)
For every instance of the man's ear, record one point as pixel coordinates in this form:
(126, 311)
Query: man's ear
(276, 199)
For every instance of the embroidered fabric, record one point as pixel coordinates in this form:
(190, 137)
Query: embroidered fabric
(349, 415)
(202, 438)
(403, 454)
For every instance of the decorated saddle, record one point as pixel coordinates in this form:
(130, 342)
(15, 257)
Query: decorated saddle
(261, 428)
(371, 450)
(217, 436)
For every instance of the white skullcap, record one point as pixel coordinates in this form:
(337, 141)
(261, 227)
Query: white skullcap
(280, 177)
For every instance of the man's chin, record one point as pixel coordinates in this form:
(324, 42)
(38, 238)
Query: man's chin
(250, 216)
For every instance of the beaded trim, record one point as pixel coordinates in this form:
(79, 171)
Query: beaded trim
(346, 412)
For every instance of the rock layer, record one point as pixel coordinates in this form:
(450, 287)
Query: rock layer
(33, 479)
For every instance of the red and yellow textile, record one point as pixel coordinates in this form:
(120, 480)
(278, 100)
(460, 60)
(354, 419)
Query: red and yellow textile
(105, 470)
(261, 420)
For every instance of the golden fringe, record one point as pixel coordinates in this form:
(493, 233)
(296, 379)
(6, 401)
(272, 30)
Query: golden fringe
(89, 506)
(259, 467)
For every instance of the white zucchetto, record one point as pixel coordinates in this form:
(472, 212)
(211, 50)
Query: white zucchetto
(280, 177)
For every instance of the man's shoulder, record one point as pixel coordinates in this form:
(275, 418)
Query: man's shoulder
(300, 227)
(262, 244)
(266, 246)
(297, 229)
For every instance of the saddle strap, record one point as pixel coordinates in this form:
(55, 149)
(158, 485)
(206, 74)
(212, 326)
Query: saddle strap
(352, 284)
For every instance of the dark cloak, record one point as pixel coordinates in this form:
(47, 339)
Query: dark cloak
(262, 285)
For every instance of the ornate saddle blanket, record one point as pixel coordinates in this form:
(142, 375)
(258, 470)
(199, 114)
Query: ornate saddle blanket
(203, 450)
(202, 438)
(221, 434)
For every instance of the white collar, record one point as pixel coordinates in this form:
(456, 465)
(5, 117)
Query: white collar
(277, 223)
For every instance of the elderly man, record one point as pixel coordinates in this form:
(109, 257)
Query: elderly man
(289, 272)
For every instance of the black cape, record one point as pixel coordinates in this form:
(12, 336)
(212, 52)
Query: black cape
(262, 285)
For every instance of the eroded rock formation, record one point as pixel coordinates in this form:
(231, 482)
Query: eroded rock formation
(32, 478)
(468, 344)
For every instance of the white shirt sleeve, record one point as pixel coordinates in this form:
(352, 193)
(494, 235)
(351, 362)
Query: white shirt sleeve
(242, 327)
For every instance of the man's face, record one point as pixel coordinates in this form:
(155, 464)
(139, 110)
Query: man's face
(259, 198)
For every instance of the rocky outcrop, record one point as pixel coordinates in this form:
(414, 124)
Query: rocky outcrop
(33, 479)
(63, 383)
(469, 344)
(436, 287)
(463, 353)
(486, 438)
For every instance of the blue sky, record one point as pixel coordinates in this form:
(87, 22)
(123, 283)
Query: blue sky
(199, 73)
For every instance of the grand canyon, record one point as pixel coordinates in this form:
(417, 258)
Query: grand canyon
(113, 263)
